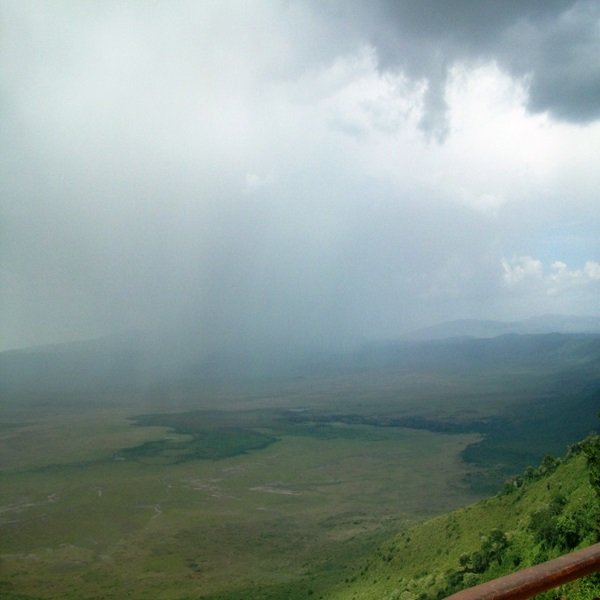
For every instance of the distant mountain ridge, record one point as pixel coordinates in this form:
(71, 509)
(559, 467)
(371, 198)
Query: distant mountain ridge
(129, 363)
(559, 350)
(143, 359)
(487, 328)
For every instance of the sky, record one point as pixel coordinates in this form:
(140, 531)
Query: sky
(295, 172)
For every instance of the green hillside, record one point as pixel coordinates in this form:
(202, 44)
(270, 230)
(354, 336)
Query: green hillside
(544, 513)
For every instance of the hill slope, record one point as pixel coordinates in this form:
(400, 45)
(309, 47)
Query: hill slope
(545, 513)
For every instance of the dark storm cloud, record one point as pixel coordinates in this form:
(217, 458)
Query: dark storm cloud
(553, 44)
(254, 173)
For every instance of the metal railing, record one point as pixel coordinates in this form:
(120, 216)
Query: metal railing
(538, 579)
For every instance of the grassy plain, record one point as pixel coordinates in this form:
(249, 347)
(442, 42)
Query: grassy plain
(270, 489)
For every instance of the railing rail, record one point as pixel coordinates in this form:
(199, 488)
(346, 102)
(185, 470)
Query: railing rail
(538, 579)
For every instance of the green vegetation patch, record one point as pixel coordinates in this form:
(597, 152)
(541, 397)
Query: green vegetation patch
(208, 444)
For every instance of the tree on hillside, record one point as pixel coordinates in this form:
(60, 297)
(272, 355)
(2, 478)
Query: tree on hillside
(591, 449)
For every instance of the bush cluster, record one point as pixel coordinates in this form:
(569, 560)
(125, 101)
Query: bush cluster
(492, 551)
(548, 466)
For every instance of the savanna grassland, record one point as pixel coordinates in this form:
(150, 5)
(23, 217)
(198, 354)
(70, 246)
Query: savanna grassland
(270, 488)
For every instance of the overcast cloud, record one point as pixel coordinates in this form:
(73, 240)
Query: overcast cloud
(296, 172)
